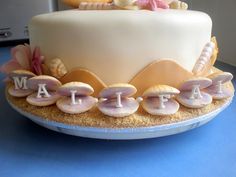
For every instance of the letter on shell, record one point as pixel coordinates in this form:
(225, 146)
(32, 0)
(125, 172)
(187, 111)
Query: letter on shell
(45, 90)
(157, 100)
(19, 78)
(218, 89)
(191, 95)
(115, 101)
(76, 98)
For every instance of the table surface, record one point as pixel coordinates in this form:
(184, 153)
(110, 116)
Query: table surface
(28, 150)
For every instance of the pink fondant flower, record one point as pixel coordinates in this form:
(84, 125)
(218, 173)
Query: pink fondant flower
(21, 58)
(153, 5)
(37, 61)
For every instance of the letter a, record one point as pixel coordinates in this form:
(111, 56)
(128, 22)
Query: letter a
(42, 91)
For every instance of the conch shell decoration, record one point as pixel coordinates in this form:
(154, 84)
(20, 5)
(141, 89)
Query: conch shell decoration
(57, 68)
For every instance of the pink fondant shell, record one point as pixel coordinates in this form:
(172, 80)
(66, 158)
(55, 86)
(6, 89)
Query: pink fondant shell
(82, 89)
(151, 105)
(184, 99)
(108, 107)
(44, 101)
(87, 102)
(51, 83)
(125, 89)
(21, 73)
(226, 93)
(221, 76)
(201, 81)
(19, 92)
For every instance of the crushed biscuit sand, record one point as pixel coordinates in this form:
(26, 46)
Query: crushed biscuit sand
(94, 118)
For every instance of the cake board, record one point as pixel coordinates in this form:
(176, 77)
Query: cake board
(124, 133)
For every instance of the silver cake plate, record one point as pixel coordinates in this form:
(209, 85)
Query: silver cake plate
(124, 133)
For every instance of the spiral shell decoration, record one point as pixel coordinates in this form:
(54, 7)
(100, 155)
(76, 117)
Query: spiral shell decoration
(178, 5)
(57, 68)
(204, 59)
(95, 6)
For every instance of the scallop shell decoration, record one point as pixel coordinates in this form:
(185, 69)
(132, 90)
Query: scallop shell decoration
(57, 68)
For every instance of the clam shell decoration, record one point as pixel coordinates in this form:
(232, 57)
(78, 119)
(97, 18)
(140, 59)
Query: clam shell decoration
(191, 95)
(19, 78)
(45, 90)
(76, 98)
(218, 89)
(57, 68)
(157, 100)
(116, 101)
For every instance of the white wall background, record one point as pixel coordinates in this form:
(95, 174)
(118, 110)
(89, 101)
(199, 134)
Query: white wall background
(223, 14)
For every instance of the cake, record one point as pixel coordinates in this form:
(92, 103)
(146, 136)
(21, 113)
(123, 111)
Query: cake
(121, 63)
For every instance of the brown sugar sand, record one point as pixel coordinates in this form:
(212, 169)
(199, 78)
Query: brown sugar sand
(94, 118)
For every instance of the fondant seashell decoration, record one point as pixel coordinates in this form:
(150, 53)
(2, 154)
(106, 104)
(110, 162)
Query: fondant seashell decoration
(178, 5)
(19, 78)
(157, 100)
(76, 3)
(116, 100)
(207, 59)
(96, 6)
(45, 88)
(85, 76)
(76, 98)
(191, 94)
(218, 90)
(57, 68)
(159, 73)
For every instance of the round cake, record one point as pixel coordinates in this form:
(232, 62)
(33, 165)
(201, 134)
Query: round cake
(117, 64)
(120, 43)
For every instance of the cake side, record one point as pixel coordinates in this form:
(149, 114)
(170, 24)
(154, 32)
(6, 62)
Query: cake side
(120, 43)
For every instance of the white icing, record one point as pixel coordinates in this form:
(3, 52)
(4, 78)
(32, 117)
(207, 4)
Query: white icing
(73, 100)
(219, 87)
(117, 44)
(42, 91)
(118, 97)
(20, 83)
(162, 100)
(195, 92)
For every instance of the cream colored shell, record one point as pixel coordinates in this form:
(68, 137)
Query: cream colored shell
(57, 68)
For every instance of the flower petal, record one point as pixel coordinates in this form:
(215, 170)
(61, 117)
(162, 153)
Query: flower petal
(10, 66)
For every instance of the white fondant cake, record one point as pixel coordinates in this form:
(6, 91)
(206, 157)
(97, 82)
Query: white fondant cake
(117, 44)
